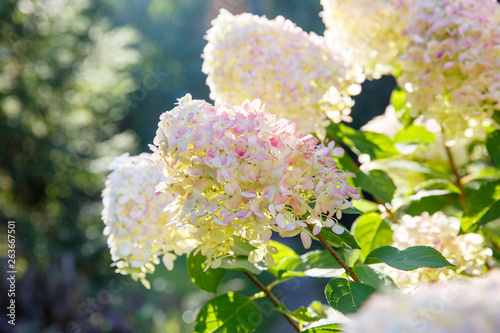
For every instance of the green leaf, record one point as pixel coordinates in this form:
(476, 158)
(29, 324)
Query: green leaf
(377, 183)
(429, 201)
(365, 205)
(408, 259)
(284, 253)
(342, 240)
(443, 185)
(482, 206)
(414, 134)
(374, 278)
(228, 313)
(301, 314)
(493, 146)
(240, 247)
(241, 263)
(347, 296)
(313, 263)
(330, 328)
(208, 280)
(372, 232)
(376, 145)
(352, 210)
(398, 99)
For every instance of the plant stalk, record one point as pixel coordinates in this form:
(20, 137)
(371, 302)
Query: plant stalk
(342, 263)
(273, 298)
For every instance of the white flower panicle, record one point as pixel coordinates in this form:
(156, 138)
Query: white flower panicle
(456, 306)
(291, 71)
(451, 66)
(237, 171)
(138, 230)
(370, 28)
(466, 252)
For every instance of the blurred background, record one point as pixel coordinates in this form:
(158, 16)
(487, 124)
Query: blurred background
(82, 81)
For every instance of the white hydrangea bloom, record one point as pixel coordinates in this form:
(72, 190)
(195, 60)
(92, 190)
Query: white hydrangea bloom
(451, 66)
(138, 229)
(291, 71)
(466, 252)
(457, 306)
(370, 28)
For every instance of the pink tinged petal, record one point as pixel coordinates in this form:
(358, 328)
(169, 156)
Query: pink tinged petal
(338, 152)
(323, 151)
(248, 195)
(229, 220)
(295, 203)
(211, 153)
(216, 162)
(243, 214)
(259, 214)
(225, 214)
(280, 221)
(280, 200)
(206, 162)
(448, 65)
(219, 222)
(285, 191)
(319, 185)
(296, 187)
(269, 193)
(351, 174)
(331, 145)
(241, 150)
(306, 239)
(226, 173)
(317, 229)
(192, 138)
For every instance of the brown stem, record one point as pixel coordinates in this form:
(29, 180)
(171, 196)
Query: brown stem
(389, 211)
(454, 170)
(327, 246)
(273, 298)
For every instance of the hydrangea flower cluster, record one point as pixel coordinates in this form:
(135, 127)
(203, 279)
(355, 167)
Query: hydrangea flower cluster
(138, 230)
(451, 67)
(457, 306)
(237, 171)
(466, 252)
(291, 71)
(371, 29)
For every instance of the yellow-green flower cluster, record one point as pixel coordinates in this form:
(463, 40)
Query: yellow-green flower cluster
(466, 252)
(370, 28)
(239, 172)
(455, 306)
(138, 230)
(291, 71)
(451, 67)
